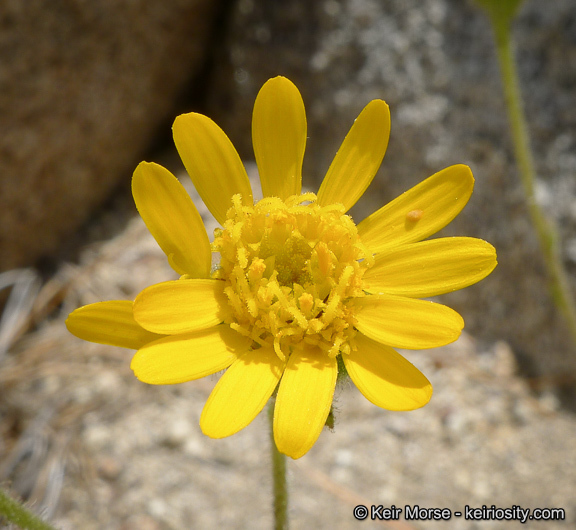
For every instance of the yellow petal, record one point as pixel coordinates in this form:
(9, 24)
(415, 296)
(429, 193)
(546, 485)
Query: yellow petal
(419, 212)
(241, 393)
(182, 358)
(172, 219)
(385, 377)
(303, 401)
(212, 163)
(359, 157)
(109, 322)
(181, 306)
(279, 137)
(432, 267)
(407, 323)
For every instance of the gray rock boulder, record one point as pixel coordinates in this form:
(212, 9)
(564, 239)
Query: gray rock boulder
(434, 62)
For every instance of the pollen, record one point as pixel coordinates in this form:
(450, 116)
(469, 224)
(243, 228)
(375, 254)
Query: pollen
(292, 269)
(414, 216)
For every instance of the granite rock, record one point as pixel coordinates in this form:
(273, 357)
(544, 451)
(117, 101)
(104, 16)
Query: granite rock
(434, 62)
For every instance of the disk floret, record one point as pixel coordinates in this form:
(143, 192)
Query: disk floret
(292, 269)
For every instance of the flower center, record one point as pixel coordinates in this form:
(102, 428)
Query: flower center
(291, 270)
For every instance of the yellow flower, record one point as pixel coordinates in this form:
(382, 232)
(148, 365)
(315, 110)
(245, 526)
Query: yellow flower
(299, 286)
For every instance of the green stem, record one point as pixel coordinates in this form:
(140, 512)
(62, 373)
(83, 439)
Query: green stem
(547, 234)
(14, 512)
(279, 477)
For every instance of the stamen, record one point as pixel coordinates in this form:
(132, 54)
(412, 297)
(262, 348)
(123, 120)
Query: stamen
(306, 302)
(292, 269)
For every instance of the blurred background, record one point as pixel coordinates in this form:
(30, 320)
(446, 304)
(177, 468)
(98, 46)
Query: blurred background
(89, 89)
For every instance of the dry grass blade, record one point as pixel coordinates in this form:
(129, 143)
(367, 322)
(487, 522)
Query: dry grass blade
(25, 285)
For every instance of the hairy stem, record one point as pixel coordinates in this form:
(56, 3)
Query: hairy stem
(279, 478)
(547, 234)
(16, 513)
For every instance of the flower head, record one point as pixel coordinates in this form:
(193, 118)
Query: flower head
(299, 286)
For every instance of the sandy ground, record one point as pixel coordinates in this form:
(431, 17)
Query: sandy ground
(91, 447)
